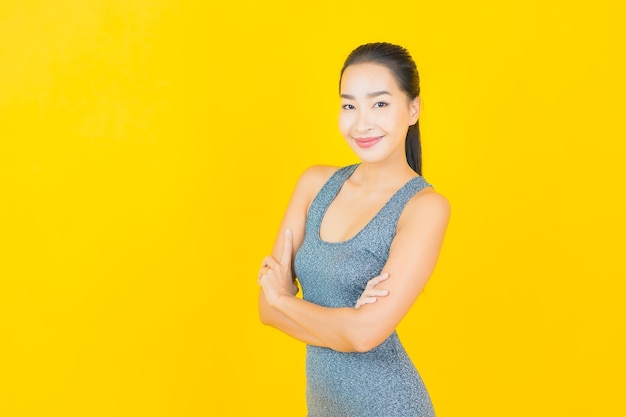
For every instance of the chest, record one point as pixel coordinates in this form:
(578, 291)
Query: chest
(335, 275)
(349, 213)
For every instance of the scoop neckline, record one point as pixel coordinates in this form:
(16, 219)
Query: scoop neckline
(362, 230)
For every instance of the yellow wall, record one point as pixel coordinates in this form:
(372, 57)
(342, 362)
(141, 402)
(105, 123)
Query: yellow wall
(148, 148)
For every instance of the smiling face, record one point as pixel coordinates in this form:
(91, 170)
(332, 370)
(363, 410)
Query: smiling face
(375, 113)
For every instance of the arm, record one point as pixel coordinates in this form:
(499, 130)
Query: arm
(307, 187)
(412, 258)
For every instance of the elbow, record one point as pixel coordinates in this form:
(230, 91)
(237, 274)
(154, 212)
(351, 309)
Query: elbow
(265, 311)
(364, 345)
(264, 317)
(364, 338)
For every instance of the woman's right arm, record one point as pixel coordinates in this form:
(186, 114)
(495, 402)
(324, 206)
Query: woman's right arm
(309, 184)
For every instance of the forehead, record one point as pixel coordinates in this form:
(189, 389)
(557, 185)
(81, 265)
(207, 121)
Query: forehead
(368, 77)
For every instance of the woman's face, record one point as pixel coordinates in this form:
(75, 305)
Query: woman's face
(375, 114)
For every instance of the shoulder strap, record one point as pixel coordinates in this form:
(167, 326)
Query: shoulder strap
(391, 212)
(327, 194)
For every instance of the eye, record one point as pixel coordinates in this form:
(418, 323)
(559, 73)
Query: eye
(347, 107)
(380, 104)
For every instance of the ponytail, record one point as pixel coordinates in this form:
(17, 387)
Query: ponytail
(413, 148)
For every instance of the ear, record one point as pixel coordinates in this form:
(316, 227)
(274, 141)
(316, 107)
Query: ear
(414, 110)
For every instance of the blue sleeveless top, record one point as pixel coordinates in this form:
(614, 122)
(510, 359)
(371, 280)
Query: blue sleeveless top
(382, 382)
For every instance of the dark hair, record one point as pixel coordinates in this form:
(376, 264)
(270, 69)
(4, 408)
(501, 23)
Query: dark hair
(398, 60)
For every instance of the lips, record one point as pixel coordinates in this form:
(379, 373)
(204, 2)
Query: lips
(367, 142)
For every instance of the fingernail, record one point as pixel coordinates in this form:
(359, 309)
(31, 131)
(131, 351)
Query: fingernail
(288, 231)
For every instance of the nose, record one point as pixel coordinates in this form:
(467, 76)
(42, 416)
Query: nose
(363, 122)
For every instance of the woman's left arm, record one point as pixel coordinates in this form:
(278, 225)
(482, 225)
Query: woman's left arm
(412, 259)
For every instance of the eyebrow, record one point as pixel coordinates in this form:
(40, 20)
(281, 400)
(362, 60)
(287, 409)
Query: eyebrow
(369, 95)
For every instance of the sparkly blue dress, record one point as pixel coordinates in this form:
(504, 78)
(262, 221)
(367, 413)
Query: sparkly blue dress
(382, 382)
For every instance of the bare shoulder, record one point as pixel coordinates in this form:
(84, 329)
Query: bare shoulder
(314, 177)
(308, 185)
(427, 205)
(429, 199)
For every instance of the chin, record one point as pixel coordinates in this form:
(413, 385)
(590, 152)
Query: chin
(370, 157)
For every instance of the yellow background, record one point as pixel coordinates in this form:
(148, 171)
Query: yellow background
(148, 149)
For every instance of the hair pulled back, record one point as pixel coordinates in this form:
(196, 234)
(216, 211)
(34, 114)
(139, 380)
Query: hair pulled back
(398, 60)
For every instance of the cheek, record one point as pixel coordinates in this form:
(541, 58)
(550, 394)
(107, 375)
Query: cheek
(392, 120)
(346, 120)
(392, 117)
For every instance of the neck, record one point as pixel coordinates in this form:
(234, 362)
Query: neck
(383, 173)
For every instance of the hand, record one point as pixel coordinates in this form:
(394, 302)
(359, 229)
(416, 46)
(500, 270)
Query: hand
(275, 277)
(371, 294)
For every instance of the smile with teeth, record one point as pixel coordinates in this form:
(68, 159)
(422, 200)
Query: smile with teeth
(367, 142)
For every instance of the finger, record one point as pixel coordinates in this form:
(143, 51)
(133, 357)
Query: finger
(262, 272)
(365, 300)
(376, 280)
(375, 293)
(264, 269)
(287, 248)
(270, 262)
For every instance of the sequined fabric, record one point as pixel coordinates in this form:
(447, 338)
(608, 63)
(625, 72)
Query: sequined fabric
(382, 382)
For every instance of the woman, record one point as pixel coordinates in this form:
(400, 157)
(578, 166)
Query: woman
(366, 238)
